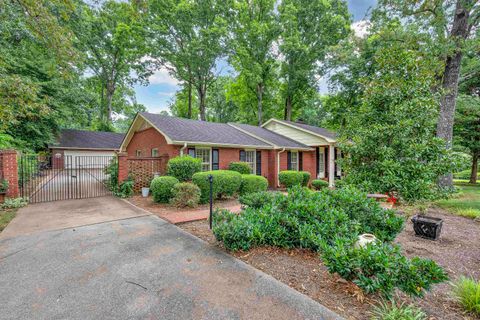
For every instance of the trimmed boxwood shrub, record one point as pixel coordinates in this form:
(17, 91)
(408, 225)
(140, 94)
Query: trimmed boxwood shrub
(290, 178)
(306, 178)
(185, 194)
(162, 188)
(240, 166)
(253, 183)
(226, 183)
(318, 184)
(183, 167)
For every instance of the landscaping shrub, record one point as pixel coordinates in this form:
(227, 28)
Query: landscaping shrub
(125, 189)
(290, 178)
(318, 184)
(241, 167)
(183, 167)
(259, 199)
(226, 183)
(14, 203)
(185, 194)
(306, 178)
(162, 188)
(329, 221)
(3, 185)
(392, 311)
(252, 183)
(467, 292)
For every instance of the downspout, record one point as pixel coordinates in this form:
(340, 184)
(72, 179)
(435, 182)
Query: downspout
(183, 148)
(278, 166)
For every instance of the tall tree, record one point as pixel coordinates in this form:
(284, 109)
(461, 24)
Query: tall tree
(450, 24)
(188, 38)
(308, 30)
(112, 38)
(255, 29)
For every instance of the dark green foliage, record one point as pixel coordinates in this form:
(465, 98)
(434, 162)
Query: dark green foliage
(125, 189)
(184, 167)
(162, 188)
(290, 178)
(259, 199)
(240, 166)
(306, 178)
(3, 185)
(112, 172)
(318, 184)
(252, 183)
(185, 194)
(329, 221)
(226, 183)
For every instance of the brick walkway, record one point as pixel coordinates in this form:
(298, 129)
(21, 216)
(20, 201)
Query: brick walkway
(176, 217)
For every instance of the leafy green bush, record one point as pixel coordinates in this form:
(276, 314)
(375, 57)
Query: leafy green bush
(329, 221)
(467, 292)
(306, 178)
(392, 311)
(226, 183)
(125, 189)
(183, 167)
(259, 199)
(3, 185)
(290, 178)
(185, 194)
(111, 171)
(162, 188)
(240, 166)
(252, 183)
(14, 203)
(318, 184)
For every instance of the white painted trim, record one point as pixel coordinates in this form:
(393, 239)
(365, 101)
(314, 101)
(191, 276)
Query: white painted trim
(278, 166)
(330, 140)
(331, 166)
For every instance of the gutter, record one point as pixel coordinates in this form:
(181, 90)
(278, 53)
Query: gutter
(278, 166)
(183, 148)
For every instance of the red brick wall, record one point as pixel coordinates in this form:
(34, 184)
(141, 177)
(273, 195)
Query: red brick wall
(148, 139)
(10, 171)
(228, 155)
(309, 163)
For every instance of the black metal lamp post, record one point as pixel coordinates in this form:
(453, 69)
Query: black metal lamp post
(210, 180)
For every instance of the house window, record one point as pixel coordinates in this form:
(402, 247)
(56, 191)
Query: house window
(155, 152)
(215, 159)
(338, 156)
(293, 160)
(204, 155)
(250, 159)
(321, 162)
(138, 153)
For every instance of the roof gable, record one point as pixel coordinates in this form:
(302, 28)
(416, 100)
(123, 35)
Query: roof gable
(307, 134)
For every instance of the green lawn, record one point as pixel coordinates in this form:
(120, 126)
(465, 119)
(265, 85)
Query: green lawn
(6, 216)
(465, 203)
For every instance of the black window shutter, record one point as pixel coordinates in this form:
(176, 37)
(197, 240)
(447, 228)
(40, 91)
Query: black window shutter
(215, 159)
(317, 151)
(242, 156)
(300, 161)
(327, 166)
(289, 161)
(335, 152)
(259, 163)
(191, 152)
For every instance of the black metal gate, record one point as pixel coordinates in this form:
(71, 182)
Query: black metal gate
(45, 178)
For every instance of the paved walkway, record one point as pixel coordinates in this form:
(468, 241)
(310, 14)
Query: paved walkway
(177, 217)
(67, 214)
(137, 268)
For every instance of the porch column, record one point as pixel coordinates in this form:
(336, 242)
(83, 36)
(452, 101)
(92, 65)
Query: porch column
(9, 169)
(331, 166)
(122, 166)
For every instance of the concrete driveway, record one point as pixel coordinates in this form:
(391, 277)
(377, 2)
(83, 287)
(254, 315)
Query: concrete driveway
(137, 268)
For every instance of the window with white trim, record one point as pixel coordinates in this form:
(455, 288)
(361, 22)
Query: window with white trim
(294, 160)
(204, 155)
(138, 153)
(250, 159)
(321, 163)
(155, 152)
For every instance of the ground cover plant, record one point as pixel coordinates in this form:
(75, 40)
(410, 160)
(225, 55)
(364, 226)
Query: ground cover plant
(329, 221)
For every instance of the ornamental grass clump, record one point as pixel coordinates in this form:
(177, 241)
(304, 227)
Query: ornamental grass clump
(467, 293)
(329, 221)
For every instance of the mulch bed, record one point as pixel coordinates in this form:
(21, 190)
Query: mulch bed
(457, 250)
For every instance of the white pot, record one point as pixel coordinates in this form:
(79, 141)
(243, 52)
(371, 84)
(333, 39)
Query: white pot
(365, 239)
(145, 192)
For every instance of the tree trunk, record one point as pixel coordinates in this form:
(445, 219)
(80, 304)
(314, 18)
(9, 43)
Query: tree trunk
(110, 92)
(202, 94)
(189, 100)
(259, 104)
(473, 175)
(288, 108)
(451, 74)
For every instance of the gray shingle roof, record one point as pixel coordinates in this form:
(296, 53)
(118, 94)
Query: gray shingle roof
(321, 131)
(81, 139)
(186, 130)
(270, 136)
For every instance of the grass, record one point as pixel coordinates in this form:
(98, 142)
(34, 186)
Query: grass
(5, 217)
(465, 203)
(467, 292)
(392, 311)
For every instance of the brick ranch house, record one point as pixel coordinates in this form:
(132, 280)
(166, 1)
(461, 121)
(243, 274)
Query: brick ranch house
(277, 145)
